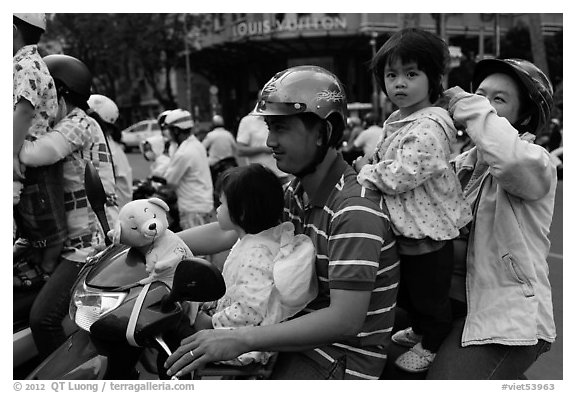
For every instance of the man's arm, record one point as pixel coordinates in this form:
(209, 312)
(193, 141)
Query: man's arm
(343, 317)
(175, 170)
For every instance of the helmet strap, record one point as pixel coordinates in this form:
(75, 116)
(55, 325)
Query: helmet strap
(522, 125)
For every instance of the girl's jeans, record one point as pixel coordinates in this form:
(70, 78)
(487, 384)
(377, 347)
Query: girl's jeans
(489, 361)
(51, 306)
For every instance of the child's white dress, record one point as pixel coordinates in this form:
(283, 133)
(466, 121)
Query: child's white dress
(269, 276)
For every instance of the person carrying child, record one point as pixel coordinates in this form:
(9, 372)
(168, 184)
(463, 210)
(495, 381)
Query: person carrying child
(501, 293)
(411, 168)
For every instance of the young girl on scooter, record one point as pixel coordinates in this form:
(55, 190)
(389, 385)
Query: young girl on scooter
(269, 273)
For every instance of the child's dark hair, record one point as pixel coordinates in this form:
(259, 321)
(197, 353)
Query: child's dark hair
(254, 195)
(427, 50)
(30, 34)
(108, 128)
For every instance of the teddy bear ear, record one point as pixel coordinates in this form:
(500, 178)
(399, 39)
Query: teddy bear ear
(159, 202)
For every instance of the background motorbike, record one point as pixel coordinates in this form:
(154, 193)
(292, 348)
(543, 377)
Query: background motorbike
(117, 317)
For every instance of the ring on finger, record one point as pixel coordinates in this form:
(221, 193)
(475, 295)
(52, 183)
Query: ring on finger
(191, 354)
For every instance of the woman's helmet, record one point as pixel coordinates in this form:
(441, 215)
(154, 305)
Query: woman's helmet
(533, 80)
(104, 107)
(73, 79)
(179, 118)
(305, 89)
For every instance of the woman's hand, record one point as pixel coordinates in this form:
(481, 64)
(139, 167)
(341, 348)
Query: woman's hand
(205, 347)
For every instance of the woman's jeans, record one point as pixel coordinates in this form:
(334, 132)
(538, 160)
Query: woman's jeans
(51, 306)
(481, 362)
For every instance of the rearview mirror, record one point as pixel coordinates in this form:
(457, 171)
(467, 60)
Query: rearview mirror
(195, 279)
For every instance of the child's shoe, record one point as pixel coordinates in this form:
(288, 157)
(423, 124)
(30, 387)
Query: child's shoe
(416, 360)
(407, 338)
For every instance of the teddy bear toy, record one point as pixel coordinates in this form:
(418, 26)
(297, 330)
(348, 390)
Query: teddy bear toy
(143, 224)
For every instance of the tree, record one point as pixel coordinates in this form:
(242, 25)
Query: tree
(126, 52)
(537, 42)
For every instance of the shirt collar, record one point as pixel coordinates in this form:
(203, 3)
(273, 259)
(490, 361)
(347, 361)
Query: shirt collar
(333, 176)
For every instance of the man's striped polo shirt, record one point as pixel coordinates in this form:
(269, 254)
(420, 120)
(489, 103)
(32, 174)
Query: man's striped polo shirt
(350, 228)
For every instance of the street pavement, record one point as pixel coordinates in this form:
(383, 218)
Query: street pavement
(550, 365)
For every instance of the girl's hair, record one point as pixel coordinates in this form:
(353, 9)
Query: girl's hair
(254, 195)
(108, 128)
(428, 51)
(30, 34)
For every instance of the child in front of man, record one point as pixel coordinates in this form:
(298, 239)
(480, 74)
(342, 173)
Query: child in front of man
(270, 272)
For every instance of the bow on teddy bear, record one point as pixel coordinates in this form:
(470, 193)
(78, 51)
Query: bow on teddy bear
(143, 224)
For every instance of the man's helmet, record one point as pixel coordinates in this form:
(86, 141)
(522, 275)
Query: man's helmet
(162, 118)
(105, 107)
(37, 20)
(537, 85)
(303, 89)
(179, 118)
(73, 79)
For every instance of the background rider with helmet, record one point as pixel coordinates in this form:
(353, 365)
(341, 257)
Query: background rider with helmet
(344, 332)
(106, 112)
(77, 139)
(188, 172)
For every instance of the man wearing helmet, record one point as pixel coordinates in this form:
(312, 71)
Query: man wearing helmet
(39, 215)
(76, 139)
(344, 332)
(188, 171)
(500, 287)
(221, 147)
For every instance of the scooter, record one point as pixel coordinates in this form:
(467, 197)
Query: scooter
(117, 317)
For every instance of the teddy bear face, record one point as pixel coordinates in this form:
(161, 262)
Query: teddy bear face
(141, 221)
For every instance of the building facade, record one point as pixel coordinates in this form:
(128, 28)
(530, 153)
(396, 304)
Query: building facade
(237, 53)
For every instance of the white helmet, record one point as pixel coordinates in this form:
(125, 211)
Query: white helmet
(161, 119)
(179, 118)
(105, 107)
(38, 20)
